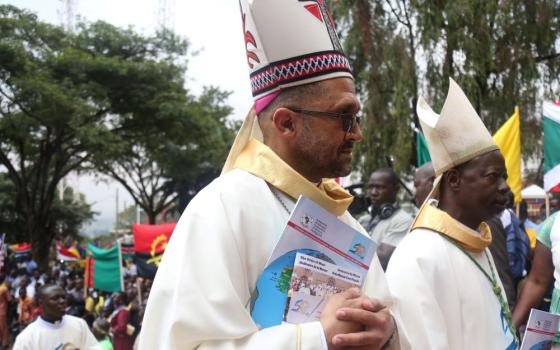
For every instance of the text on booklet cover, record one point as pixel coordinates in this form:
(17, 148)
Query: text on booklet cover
(331, 257)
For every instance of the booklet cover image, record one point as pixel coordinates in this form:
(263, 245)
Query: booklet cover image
(313, 281)
(312, 231)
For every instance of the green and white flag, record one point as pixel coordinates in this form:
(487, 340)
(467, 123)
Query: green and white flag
(104, 268)
(551, 126)
(422, 152)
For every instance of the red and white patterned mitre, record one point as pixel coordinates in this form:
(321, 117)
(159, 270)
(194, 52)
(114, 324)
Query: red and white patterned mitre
(290, 43)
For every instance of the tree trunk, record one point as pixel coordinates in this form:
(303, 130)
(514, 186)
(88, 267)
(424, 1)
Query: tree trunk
(363, 20)
(151, 217)
(41, 240)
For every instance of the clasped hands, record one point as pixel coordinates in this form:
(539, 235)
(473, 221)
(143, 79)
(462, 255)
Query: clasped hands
(353, 320)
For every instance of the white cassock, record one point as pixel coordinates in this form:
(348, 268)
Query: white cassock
(203, 286)
(447, 302)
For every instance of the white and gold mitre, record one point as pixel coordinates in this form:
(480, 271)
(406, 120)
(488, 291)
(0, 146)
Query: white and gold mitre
(290, 43)
(457, 134)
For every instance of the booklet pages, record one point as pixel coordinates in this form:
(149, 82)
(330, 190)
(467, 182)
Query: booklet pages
(317, 255)
(541, 329)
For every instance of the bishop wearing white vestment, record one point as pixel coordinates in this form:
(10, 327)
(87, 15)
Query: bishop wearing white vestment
(203, 287)
(442, 272)
(303, 135)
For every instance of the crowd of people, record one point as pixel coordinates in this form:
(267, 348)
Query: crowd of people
(113, 319)
(444, 277)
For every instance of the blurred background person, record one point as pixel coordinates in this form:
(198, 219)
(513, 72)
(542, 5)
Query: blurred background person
(54, 329)
(385, 222)
(545, 269)
(423, 183)
(101, 329)
(120, 319)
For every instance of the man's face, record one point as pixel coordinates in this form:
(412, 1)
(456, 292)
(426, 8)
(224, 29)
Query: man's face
(483, 189)
(381, 189)
(423, 182)
(322, 145)
(53, 302)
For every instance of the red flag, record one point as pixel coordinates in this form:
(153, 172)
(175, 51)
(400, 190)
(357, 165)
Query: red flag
(151, 239)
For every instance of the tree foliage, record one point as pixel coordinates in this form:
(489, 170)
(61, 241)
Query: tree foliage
(193, 165)
(69, 213)
(171, 137)
(104, 98)
(503, 53)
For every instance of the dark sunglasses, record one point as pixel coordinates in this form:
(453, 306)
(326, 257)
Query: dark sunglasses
(348, 119)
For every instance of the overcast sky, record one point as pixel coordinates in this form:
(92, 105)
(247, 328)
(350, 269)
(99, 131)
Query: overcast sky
(213, 28)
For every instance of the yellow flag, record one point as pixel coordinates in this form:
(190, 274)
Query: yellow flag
(508, 139)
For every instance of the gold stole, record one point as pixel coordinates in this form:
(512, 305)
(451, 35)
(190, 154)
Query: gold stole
(434, 219)
(259, 160)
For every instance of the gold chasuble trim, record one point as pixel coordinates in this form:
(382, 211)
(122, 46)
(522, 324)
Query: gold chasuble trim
(259, 160)
(434, 219)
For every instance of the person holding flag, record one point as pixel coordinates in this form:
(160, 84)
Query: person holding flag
(298, 137)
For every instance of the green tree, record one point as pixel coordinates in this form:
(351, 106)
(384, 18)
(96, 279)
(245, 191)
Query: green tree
(166, 159)
(80, 101)
(193, 165)
(10, 221)
(178, 162)
(384, 70)
(69, 213)
(502, 53)
(126, 217)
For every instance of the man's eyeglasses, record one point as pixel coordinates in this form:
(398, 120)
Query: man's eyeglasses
(348, 119)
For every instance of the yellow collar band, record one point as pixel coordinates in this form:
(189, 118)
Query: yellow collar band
(259, 160)
(432, 218)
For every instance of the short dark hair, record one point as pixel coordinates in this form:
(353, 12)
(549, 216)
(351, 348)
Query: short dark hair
(41, 290)
(294, 95)
(391, 174)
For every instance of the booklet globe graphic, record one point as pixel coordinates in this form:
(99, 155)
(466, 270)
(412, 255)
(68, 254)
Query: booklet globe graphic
(273, 296)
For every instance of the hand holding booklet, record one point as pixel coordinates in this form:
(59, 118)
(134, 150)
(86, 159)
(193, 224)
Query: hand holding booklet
(317, 255)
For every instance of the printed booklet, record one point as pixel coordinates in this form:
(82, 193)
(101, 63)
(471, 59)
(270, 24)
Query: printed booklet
(541, 330)
(316, 256)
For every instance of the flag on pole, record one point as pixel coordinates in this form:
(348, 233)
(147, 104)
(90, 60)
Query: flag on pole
(422, 152)
(67, 254)
(150, 242)
(127, 247)
(551, 126)
(21, 248)
(103, 270)
(127, 251)
(508, 139)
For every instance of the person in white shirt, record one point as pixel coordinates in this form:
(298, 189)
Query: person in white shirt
(54, 330)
